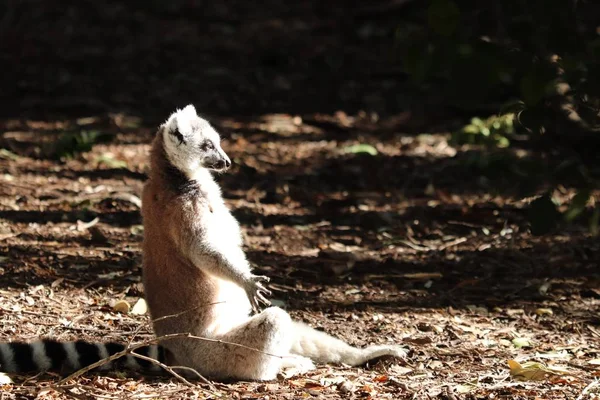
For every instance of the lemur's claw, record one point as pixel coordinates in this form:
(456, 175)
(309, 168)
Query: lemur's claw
(255, 292)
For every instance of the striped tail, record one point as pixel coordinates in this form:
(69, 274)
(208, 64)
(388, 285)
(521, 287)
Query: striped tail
(64, 357)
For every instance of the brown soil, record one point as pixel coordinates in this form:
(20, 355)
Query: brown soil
(411, 246)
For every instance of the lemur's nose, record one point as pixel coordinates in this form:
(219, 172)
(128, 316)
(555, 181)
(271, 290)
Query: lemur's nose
(227, 163)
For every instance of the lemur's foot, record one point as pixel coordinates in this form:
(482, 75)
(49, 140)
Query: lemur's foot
(294, 365)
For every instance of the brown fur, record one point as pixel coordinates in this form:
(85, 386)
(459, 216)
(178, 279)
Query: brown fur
(196, 276)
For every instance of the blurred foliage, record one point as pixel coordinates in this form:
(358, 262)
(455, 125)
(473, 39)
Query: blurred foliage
(535, 62)
(494, 131)
(361, 149)
(69, 144)
(8, 155)
(542, 54)
(110, 161)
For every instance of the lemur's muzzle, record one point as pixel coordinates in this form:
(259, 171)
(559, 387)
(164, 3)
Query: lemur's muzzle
(222, 163)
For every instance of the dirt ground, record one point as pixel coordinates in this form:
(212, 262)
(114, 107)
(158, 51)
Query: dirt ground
(411, 245)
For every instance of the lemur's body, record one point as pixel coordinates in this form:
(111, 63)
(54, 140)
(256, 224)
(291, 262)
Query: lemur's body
(197, 279)
(195, 270)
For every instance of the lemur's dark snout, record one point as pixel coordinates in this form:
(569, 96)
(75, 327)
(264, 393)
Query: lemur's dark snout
(223, 163)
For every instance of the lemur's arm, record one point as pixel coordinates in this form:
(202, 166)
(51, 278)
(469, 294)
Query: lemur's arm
(224, 260)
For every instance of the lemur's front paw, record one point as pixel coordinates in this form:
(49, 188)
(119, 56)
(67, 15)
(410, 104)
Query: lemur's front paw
(255, 289)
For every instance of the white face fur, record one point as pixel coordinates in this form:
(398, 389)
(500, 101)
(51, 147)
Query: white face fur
(192, 143)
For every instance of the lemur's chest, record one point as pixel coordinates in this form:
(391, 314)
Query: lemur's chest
(216, 219)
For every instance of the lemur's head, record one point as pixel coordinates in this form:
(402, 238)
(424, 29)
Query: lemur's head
(191, 143)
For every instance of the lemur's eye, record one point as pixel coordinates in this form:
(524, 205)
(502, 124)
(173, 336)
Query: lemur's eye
(207, 145)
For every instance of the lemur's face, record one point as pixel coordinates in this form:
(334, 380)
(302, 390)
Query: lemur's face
(192, 143)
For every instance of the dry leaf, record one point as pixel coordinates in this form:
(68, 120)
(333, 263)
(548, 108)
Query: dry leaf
(314, 385)
(5, 379)
(329, 381)
(554, 354)
(140, 307)
(531, 372)
(57, 282)
(544, 311)
(121, 306)
(347, 387)
(521, 342)
(543, 289)
(466, 388)
(534, 371)
(400, 370)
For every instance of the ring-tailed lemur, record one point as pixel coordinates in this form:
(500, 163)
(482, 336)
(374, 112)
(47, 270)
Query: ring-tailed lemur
(193, 260)
(198, 282)
(48, 354)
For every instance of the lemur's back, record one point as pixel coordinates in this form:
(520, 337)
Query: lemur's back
(174, 207)
(171, 284)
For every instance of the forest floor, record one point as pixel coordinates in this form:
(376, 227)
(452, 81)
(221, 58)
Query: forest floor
(410, 244)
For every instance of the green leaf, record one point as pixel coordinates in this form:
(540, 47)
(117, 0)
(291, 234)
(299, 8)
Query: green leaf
(543, 215)
(503, 142)
(577, 205)
(361, 148)
(110, 161)
(443, 16)
(70, 144)
(491, 131)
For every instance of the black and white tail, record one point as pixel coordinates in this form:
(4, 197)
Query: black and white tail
(64, 357)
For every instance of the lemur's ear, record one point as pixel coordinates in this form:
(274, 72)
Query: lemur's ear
(179, 124)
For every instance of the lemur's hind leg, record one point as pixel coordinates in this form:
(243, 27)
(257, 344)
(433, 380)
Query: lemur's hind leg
(269, 332)
(324, 348)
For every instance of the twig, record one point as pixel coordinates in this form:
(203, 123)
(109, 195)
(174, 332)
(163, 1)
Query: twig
(186, 311)
(587, 389)
(139, 328)
(131, 350)
(235, 345)
(105, 361)
(452, 243)
(170, 370)
(414, 246)
(131, 198)
(82, 226)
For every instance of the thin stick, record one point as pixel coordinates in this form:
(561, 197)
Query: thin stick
(104, 361)
(135, 333)
(452, 243)
(175, 374)
(587, 389)
(234, 344)
(186, 311)
(131, 349)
